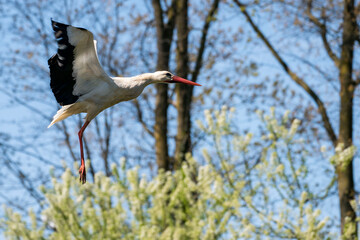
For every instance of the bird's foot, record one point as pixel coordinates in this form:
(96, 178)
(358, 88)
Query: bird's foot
(82, 172)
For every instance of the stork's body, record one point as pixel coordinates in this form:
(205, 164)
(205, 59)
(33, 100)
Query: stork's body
(80, 84)
(105, 95)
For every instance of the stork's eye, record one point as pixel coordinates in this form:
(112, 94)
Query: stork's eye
(168, 74)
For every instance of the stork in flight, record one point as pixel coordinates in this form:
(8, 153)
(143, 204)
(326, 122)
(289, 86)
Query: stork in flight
(80, 84)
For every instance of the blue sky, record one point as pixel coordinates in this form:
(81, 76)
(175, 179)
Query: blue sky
(28, 129)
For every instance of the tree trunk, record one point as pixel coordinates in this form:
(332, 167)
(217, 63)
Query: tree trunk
(345, 173)
(183, 92)
(160, 129)
(164, 39)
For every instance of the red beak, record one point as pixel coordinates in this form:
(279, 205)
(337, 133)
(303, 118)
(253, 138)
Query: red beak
(176, 79)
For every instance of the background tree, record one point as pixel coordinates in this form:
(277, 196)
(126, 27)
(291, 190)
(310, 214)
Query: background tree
(164, 39)
(177, 15)
(325, 17)
(184, 94)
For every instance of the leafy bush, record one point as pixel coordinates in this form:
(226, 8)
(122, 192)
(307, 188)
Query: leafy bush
(245, 189)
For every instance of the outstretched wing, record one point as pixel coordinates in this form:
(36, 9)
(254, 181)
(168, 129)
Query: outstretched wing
(75, 69)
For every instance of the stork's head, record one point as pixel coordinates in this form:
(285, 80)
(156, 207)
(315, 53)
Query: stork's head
(168, 77)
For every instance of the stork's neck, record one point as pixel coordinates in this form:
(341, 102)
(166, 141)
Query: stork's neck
(141, 80)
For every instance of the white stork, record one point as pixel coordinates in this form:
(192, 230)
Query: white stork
(80, 84)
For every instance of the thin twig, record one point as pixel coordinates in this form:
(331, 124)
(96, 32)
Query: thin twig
(321, 107)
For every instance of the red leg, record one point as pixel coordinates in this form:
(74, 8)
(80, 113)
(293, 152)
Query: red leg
(82, 169)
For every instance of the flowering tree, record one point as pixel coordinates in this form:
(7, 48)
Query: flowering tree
(236, 193)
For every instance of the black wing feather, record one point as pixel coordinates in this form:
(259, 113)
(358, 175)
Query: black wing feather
(61, 67)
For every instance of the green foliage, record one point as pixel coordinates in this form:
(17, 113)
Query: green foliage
(235, 194)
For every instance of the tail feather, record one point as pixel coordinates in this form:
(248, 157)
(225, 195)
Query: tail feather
(61, 114)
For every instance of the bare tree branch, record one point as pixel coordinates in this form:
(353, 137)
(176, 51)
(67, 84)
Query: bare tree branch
(23, 178)
(142, 43)
(140, 118)
(67, 140)
(104, 142)
(357, 81)
(321, 107)
(323, 32)
(158, 13)
(357, 12)
(324, 74)
(209, 18)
